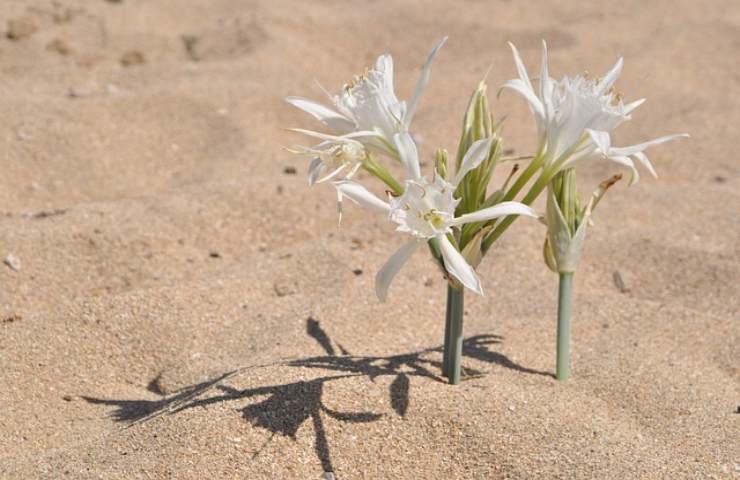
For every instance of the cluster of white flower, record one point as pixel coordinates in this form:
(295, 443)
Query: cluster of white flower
(574, 116)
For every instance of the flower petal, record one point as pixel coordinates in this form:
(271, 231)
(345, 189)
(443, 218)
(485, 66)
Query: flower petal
(601, 139)
(502, 209)
(475, 155)
(385, 275)
(646, 163)
(421, 85)
(458, 267)
(314, 170)
(545, 82)
(611, 76)
(627, 162)
(362, 196)
(630, 107)
(408, 154)
(528, 93)
(520, 68)
(332, 174)
(335, 138)
(631, 150)
(332, 119)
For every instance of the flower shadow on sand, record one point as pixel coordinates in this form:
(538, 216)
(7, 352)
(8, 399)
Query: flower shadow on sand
(289, 405)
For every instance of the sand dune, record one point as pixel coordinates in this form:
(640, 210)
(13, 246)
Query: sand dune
(185, 307)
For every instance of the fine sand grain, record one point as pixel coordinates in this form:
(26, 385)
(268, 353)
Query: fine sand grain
(175, 303)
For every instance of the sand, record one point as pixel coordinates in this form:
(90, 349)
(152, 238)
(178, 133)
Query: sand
(185, 307)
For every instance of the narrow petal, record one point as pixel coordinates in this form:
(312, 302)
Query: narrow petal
(332, 119)
(646, 163)
(601, 139)
(630, 107)
(631, 150)
(421, 85)
(408, 154)
(314, 170)
(475, 155)
(332, 174)
(362, 196)
(528, 93)
(520, 68)
(458, 267)
(545, 87)
(335, 138)
(627, 162)
(611, 76)
(502, 209)
(386, 274)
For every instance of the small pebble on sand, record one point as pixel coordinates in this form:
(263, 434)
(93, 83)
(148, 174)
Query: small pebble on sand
(20, 28)
(13, 262)
(132, 58)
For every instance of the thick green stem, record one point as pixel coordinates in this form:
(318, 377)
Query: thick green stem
(448, 333)
(381, 173)
(453, 353)
(562, 369)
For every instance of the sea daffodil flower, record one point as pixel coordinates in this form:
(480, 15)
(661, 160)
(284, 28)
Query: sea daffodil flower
(369, 104)
(426, 211)
(333, 156)
(573, 112)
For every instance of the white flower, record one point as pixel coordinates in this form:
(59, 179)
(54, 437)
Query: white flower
(332, 157)
(426, 211)
(369, 104)
(567, 110)
(623, 155)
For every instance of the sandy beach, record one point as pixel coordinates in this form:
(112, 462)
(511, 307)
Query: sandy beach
(176, 302)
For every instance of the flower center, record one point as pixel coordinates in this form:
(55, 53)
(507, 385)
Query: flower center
(425, 209)
(344, 154)
(435, 219)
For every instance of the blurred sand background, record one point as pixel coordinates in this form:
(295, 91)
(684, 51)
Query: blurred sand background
(163, 242)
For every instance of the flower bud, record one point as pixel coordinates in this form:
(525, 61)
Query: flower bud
(440, 162)
(567, 222)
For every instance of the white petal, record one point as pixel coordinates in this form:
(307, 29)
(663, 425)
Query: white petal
(502, 209)
(631, 150)
(611, 76)
(332, 174)
(458, 267)
(314, 170)
(421, 85)
(646, 163)
(384, 65)
(528, 93)
(335, 138)
(332, 119)
(475, 155)
(627, 162)
(362, 196)
(602, 140)
(408, 154)
(386, 274)
(630, 107)
(545, 83)
(520, 69)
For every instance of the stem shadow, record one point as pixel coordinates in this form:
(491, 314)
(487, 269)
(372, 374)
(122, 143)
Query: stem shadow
(284, 408)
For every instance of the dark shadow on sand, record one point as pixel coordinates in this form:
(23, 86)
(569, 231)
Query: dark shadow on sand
(287, 406)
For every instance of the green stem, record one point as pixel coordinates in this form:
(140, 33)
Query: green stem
(562, 369)
(379, 171)
(530, 197)
(448, 333)
(455, 310)
(534, 165)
